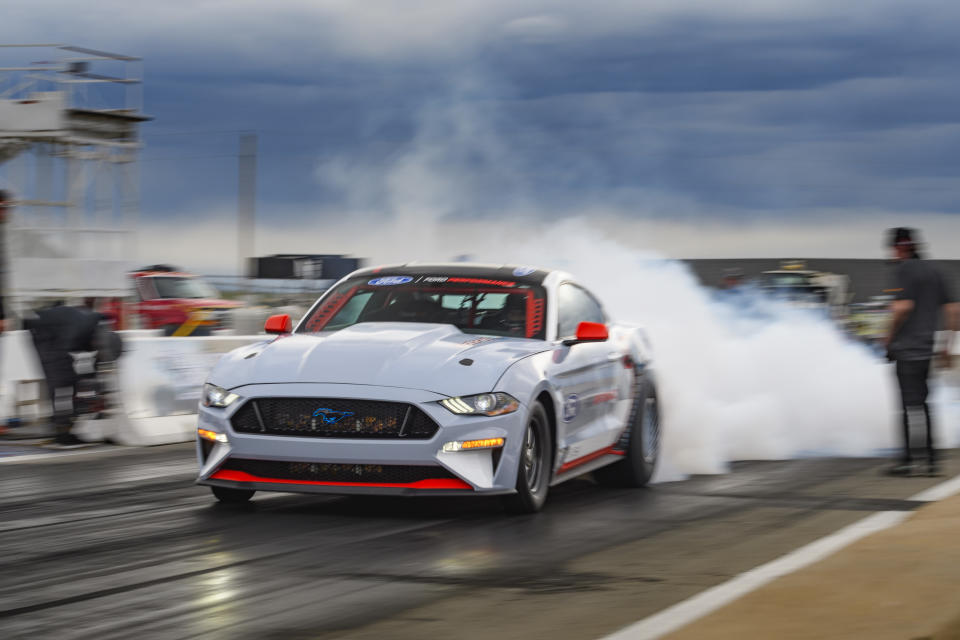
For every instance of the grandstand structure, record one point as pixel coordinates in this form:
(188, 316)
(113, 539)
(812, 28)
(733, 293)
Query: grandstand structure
(69, 151)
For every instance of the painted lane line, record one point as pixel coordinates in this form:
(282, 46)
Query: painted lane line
(683, 613)
(939, 491)
(55, 455)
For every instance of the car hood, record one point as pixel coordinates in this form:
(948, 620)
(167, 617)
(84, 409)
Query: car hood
(390, 354)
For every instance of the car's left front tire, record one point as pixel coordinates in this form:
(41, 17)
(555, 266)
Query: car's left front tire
(232, 496)
(535, 465)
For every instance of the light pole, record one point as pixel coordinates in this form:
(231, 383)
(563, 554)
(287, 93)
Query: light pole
(246, 199)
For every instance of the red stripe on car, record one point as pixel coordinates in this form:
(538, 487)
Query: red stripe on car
(434, 483)
(573, 464)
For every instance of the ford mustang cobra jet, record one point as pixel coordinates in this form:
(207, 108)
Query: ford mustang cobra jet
(445, 379)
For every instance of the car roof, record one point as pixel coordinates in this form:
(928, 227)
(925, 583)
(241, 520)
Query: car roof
(517, 273)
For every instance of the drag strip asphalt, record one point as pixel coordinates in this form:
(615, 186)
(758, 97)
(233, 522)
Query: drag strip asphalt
(119, 542)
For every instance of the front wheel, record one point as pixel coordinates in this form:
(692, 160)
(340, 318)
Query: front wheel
(534, 467)
(232, 496)
(643, 441)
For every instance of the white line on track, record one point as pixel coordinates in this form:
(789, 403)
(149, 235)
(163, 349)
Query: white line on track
(61, 455)
(694, 608)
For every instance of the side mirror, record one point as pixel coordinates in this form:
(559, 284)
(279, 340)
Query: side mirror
(589, 332)
(278, 324)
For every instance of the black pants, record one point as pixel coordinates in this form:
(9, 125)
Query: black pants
(61, 389)
(912, 377)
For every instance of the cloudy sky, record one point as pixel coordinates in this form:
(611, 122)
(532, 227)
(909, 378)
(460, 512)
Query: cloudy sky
(702, 127)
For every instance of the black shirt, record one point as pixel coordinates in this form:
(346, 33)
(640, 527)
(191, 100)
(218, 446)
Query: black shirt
(921, 282)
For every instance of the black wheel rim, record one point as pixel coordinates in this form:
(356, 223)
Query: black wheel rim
(531, 458)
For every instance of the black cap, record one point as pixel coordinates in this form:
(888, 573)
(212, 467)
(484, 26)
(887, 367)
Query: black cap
(901, 236)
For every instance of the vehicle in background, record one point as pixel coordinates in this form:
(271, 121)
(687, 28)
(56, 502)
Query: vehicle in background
(177, 302)
(805, 288)
(869, 321)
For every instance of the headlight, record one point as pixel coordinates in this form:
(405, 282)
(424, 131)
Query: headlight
(482, 404)
(214, 396)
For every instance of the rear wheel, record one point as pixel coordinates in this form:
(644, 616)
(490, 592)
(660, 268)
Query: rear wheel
(232, 496)
(534, 466)
(643, 444)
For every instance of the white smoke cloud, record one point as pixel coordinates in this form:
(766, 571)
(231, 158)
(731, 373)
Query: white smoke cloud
(760, 381)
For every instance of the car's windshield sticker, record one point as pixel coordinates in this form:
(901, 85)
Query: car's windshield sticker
(495, 283)
(390, 280)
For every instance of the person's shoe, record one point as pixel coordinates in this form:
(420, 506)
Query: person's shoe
(900, 469)
(68, 441)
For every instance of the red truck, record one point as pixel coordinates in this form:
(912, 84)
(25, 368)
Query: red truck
(179, 303)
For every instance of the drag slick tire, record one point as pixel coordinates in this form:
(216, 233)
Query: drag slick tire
(534, 466)
(643, 444)
(232, 496)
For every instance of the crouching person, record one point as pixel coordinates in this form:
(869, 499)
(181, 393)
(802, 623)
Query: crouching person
(57, 331)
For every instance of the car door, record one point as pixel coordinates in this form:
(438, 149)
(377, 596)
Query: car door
(585, 376)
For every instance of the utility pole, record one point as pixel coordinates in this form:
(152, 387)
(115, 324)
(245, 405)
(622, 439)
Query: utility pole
(246, 199)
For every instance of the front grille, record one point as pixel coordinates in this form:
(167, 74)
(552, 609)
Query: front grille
(333, 418)
(329, 472)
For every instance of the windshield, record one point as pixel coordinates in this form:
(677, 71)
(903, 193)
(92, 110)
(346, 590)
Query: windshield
(794, 286)
(183, 287)
(474, 305)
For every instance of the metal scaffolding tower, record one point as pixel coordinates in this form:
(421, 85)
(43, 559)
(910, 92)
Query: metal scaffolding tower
(69, 147)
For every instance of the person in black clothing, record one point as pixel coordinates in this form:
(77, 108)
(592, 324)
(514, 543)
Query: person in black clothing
(512, 318)
(922, 295)
(57, 331)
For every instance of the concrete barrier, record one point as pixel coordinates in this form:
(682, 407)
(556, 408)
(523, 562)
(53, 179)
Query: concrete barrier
(157, 385)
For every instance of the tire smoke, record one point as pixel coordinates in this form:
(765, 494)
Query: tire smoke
(741, 377)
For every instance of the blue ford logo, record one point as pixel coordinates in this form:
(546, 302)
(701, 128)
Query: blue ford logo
(387, 281)
(329, 416)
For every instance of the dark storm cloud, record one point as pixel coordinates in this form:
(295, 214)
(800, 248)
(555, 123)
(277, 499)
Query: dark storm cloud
(708, 117)
(744, 110)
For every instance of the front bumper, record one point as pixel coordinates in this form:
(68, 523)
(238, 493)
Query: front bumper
(463, 472)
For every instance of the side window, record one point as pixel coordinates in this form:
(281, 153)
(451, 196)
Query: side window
(574, 305)
(144, 289)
